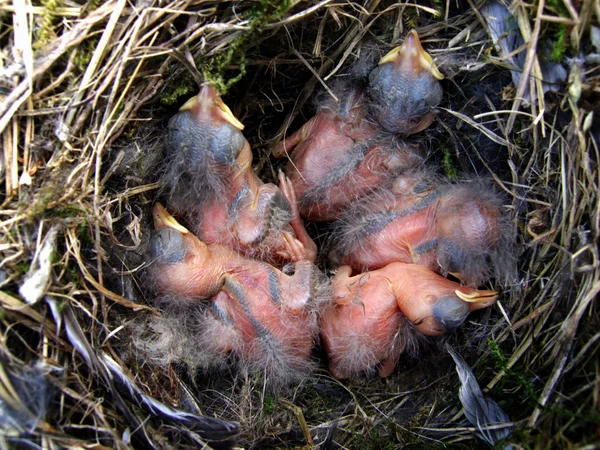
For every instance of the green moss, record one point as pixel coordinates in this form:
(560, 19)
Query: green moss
(23, 267)
(439, 7)
(266, 11)
(45, 33)
(180, 91)
(73, 274)
(84, 54)
(63, 212)
(379, 437)
(559, 45)
(410, 18)
(447, 164)
(84, 234)
(268, 405)
(515, 375)
(92, 5)
(559, 7)
(215, 69)
(45, 204)
(559, 34)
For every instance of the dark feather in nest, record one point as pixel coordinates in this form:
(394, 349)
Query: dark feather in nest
(122, 387)
(507, 38)
(214, 430)
(26, 400)
(551, 154)
(481, 410)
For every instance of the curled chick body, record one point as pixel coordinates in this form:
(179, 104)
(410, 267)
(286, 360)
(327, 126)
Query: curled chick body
(258, 313)
(339, 156)
(456, 229)
(210, 181)
(348, 149)
(370, 321)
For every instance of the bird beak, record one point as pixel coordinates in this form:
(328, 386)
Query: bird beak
(162, 219)
(228, 115)
(478, 296)
(208, 96)
(412, 56)
(189, 105)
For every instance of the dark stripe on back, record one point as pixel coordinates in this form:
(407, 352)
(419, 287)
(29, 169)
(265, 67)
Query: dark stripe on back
(274, 290)
(221, 315)
(353, 160)
(425, 247)
(236, 204)
(237, 292)
(378, 221)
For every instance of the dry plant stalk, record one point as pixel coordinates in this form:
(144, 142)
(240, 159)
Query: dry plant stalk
(79, 81)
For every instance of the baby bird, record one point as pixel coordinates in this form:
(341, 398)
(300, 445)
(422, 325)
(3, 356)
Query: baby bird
(370, 321)
(263, 316)
(456, 229)
(404, 88)
(210, 181)
(350, 147)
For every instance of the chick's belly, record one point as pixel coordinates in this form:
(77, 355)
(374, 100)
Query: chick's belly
(213, 222)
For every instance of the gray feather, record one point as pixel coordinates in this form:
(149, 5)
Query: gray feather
(507, 37)
(481, 411)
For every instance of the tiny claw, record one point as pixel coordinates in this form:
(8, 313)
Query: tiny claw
(288, 191)
(295, 250)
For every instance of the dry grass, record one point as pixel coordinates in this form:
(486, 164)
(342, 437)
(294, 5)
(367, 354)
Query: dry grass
(85, 91)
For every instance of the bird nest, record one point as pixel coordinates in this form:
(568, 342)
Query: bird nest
(87, 89)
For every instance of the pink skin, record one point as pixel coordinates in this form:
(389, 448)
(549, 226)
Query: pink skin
(247, 231)
(426, 217)
(241, 287)
(359, 331)
(329, 164)
(293, 332)
(247, 227)
(323, 145)
(398, 240)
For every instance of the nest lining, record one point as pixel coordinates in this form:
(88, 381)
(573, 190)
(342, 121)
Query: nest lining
(82, 116)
